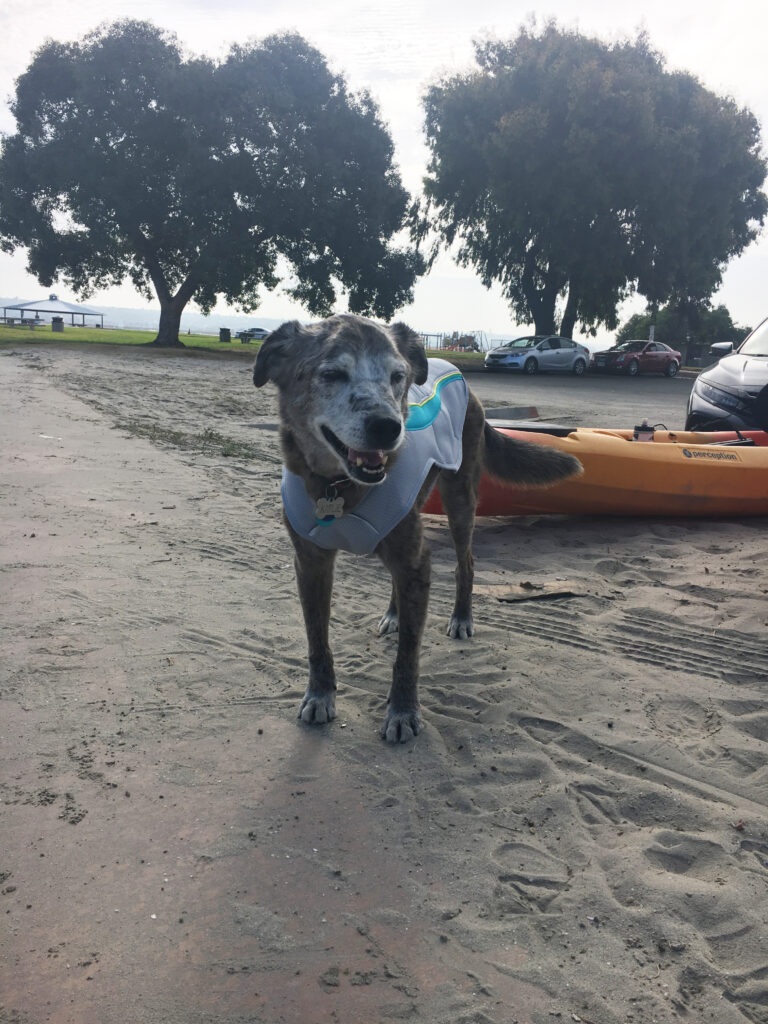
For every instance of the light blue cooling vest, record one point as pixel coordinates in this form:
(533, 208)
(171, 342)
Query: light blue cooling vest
(433, 438)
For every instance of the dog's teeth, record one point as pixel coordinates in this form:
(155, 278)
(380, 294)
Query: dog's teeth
(384, 460)
(359, 461)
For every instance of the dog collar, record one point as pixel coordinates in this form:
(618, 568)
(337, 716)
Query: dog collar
(331, 504)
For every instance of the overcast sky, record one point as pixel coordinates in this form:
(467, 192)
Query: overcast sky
(394, 49)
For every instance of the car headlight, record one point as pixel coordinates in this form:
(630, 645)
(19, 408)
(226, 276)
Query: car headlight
(719, 396)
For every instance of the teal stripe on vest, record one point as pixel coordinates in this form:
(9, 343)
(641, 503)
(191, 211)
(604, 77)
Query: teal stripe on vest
(423, 414)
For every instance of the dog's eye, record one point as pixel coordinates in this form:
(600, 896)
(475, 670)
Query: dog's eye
(335, 376)
(398, 377)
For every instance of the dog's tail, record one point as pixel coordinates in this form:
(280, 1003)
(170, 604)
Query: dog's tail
(524, 463)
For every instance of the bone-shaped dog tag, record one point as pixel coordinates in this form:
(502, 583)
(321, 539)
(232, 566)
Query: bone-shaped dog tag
(325, 507)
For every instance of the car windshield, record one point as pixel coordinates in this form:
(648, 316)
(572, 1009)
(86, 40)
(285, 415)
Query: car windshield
(631, 346)
(520, 343)
(757, 342)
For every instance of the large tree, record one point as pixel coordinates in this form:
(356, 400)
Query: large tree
(573, 172)
(198, 179)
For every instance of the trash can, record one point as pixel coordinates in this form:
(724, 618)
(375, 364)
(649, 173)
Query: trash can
(225, 334)
(57, 323)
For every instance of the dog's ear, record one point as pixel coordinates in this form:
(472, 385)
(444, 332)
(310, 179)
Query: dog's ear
(273, 358)
(412, 348)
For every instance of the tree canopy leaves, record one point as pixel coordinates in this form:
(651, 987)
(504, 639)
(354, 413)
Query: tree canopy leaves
(198, 179)
(693, 328)
(570, 169)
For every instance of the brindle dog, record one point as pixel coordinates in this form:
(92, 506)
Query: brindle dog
(343, 386)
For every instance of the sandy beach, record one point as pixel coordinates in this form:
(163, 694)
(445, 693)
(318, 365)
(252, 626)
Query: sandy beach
(579, 834)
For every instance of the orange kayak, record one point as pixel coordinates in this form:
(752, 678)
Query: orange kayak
(678, 473)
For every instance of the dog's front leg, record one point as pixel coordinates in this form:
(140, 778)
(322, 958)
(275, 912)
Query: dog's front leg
(459, 495)
(407, 557)
(314, 575)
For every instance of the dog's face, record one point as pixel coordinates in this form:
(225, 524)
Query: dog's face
(343, 391)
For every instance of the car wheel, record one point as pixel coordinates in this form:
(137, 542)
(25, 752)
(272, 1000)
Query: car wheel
(672, 368)
(579, 367)
(633, 368)
(531, 366)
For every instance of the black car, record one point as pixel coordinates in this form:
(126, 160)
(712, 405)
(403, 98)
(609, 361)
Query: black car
(733, 394)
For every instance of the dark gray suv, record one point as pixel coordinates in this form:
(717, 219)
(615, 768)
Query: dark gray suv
(733, 394)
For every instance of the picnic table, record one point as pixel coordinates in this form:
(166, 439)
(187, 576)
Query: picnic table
(19, 321)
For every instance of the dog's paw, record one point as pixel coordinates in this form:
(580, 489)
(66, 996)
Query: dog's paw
(402, 726)
(317, 710)
(460, 628)
(388, 622)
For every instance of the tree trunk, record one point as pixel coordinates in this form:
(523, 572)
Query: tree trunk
(540, 300)
(545, 322)
(570, 312)
(171, 306)
(168, 329)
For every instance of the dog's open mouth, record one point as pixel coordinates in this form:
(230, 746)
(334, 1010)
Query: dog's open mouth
(368, 467)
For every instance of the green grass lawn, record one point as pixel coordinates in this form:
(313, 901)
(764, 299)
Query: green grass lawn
(43, 335)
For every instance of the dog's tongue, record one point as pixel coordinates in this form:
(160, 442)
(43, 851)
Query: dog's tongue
(374, 458)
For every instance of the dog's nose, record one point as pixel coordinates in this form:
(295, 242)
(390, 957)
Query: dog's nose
(382, 431)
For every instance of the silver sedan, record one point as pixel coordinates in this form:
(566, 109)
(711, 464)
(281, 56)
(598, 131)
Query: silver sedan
(539, 352)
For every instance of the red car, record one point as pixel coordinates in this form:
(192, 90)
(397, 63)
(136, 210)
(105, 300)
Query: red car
(633, 357)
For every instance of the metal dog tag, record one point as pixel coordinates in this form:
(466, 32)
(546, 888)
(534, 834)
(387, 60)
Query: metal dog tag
(325, 507)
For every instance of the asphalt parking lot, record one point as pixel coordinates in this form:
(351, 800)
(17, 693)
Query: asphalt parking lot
(589, 401)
